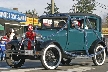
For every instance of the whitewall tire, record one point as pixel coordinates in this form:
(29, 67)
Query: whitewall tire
(51, 53)
(99, 59)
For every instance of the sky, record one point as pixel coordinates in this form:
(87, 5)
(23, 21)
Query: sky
(39, 5)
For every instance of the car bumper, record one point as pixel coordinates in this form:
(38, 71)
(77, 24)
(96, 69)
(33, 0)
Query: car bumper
(23, 52)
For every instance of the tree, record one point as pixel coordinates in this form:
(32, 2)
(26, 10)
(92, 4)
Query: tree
(84, 6)
(105, 22)
(31, 12)
(49, 9)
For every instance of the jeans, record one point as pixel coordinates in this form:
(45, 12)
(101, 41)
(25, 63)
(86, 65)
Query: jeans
(2, 55)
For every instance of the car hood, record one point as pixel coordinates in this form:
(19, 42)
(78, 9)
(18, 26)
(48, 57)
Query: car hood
(45, 33)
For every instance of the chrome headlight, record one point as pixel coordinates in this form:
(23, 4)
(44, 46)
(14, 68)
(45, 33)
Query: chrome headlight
(38, 36)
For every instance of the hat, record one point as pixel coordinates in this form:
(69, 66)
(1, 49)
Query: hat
(30, 27)
(4, 38)
(76, 23)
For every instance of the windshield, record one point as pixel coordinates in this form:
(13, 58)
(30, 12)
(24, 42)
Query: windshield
(52, 23)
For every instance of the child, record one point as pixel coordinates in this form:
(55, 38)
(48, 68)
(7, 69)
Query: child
(2, 48)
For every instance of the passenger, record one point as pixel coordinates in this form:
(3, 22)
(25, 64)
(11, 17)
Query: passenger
(86, 27)
(76, 23)
(2, 48)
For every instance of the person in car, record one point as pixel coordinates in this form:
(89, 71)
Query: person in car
(61, 24)
(76, 23)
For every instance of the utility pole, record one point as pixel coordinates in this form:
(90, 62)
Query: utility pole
(75, 9)
(52, 5)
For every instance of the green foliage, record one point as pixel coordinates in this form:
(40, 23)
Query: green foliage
(32, 12)
(106, 19)
(49, 9)
(105, 22)
(84, 6)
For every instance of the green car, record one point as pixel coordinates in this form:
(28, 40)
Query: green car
(61, 38)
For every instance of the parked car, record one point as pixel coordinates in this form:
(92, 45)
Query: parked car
(58, 41)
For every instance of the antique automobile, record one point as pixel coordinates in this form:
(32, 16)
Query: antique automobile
(61, 38)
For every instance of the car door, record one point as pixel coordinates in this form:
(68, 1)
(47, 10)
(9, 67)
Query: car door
(75, 40)
(91, 36)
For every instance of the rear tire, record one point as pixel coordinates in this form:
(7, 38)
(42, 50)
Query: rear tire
(99, 60)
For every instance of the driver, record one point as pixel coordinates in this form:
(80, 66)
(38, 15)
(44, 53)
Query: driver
(61, 24)
(30, 34)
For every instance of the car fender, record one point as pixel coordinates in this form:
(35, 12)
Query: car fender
(91, 50)
(46, 43)
(14, 43)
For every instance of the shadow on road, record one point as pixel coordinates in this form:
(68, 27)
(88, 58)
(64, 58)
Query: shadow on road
(28, 65)
(78, 64)
(34, 64)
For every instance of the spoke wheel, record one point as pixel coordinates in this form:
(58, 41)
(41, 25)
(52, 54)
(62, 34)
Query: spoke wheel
(51, 57)
(14, 61)
(99, 59)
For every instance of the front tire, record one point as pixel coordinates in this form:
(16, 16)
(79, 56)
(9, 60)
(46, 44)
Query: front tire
(99, 59)
(14, 61)
(51, 54)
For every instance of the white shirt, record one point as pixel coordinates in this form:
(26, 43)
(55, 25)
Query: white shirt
(86, 27)
(11, 36)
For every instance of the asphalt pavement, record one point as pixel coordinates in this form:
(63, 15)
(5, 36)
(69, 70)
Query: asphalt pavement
(77, 65)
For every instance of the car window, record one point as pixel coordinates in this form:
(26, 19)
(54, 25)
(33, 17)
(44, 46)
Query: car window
(59, 23)
(93, 23)
(53, 23)
(80, 24)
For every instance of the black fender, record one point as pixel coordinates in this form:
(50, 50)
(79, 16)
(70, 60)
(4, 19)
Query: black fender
(91, 50)
(48, 42)
(14, 43)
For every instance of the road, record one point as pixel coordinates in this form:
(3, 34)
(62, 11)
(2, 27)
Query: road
(77, 65)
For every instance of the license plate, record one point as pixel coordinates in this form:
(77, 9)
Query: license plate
(28, 52)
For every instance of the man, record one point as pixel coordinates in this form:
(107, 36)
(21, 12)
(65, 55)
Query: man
(30, 34)
(61, 24)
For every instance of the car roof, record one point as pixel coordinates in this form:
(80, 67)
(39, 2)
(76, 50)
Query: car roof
(63, 15)
(82, 14)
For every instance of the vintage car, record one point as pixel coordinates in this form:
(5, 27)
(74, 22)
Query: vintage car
(58, 41)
